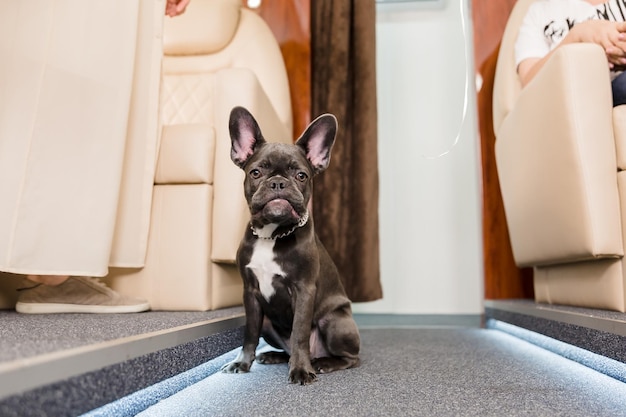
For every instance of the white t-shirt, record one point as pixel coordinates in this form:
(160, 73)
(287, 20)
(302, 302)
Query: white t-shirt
(547, 22)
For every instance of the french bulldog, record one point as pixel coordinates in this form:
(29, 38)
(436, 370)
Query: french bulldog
(293, 296)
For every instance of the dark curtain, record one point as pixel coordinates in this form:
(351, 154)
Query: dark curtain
(343, 82)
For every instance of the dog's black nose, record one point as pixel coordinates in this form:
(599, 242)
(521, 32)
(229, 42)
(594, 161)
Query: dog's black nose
(277, 183)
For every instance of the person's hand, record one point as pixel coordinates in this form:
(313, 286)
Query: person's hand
(611, 36)
(616, 54)
(175, 7)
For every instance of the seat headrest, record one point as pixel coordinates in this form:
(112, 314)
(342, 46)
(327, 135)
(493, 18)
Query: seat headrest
(206, 27)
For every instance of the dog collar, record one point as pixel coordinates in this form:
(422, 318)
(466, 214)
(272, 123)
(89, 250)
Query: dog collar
(301, 222)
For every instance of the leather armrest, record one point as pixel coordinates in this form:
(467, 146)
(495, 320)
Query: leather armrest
(555, 153)
(619, 128)
(186, 154)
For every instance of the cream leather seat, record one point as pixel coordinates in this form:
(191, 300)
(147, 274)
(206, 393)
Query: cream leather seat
(218, 55)
(561, 156)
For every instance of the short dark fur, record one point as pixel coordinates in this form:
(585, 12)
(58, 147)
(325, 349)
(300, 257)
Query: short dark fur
(308, 302)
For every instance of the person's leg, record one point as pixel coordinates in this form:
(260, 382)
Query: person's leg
(618, 87)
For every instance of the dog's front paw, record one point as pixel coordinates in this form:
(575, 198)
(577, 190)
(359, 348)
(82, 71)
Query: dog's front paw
(302, 376)
(236, 367)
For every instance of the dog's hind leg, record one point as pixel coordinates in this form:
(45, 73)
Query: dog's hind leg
(342, 342)
(271, 358)
(333, 363)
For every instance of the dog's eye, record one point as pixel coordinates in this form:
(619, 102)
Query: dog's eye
(255, 173)
(301, 176)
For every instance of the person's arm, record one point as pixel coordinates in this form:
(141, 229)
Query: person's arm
(610, 36)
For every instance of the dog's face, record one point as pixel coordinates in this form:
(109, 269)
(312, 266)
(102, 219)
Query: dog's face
(278, 177)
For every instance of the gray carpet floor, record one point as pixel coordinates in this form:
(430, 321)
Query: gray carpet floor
(415, 372)
(28, 335)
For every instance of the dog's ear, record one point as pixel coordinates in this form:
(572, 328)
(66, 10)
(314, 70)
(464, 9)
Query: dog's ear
(245, 135)
(317, 141)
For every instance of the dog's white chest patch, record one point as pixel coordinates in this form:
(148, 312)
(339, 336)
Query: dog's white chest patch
(264, 266)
